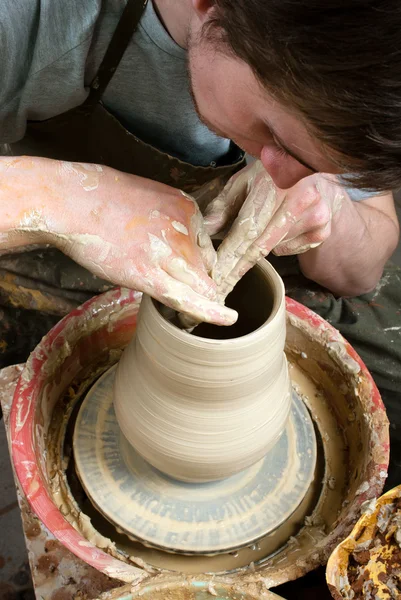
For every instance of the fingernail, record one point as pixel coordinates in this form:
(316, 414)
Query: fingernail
(203, 240)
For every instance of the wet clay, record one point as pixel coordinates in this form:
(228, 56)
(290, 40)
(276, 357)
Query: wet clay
(310, 521)
(204, 408)
(241, 248)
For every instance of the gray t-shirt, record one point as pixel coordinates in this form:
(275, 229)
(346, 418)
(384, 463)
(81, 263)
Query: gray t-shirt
(51, 51)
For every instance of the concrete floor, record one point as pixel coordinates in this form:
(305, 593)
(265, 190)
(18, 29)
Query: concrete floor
(15, 583)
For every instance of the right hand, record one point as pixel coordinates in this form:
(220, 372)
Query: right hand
(262, 218)
(131, 231)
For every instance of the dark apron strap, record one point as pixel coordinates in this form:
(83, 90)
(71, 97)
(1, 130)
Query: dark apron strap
(122, 35)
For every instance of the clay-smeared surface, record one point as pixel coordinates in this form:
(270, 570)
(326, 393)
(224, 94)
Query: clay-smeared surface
(305, 529)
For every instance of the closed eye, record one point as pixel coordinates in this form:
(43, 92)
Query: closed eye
(280, 150)
(285, 153)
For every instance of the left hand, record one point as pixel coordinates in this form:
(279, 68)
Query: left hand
(266, 218)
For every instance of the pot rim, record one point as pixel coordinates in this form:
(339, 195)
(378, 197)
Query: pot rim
(253, 337)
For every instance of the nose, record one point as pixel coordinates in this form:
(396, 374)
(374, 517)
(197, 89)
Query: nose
(285, 170)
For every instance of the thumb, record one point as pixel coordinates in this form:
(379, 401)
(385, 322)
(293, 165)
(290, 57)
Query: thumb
(222, 211)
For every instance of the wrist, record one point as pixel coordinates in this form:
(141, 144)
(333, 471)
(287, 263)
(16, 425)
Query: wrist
(26, 199)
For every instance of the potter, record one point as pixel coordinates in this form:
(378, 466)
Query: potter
(201, 409)
(285, 113)
(288, 105)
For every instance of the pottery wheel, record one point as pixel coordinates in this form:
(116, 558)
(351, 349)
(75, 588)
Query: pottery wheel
(208, 518)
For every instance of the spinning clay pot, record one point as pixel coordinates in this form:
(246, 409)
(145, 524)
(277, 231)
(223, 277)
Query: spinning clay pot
(203, 406)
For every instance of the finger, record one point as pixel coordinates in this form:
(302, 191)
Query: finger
(279, 227)
(182, 298)
(187, 322)
(303, 243)
(241, 266)
(192, 273)
(179, 296)
(224, 208)
(222, 212)
(253, 218)
(197, 279)
(292, 204)
(199, 237)
(298, 200)
(313, 218)
(203, 242)
(276, 229)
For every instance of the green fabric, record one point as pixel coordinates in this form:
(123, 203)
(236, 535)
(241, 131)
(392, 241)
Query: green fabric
(371, 322)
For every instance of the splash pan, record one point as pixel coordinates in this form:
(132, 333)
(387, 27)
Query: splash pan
(349, 418)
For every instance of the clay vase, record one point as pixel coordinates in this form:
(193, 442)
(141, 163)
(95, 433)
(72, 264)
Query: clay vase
(203, 406)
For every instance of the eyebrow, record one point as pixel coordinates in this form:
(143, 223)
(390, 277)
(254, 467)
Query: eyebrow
(291, 153)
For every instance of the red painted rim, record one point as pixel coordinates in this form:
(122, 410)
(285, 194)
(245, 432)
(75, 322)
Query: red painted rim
(21, 427)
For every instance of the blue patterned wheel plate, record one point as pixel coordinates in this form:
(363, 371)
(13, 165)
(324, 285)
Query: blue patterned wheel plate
(185, 518)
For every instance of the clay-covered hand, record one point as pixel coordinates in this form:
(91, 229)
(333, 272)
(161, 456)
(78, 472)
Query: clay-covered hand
(131, 231)
(152, 239)
(263, 218)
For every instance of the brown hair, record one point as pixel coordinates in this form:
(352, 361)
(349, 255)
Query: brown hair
(338, 64)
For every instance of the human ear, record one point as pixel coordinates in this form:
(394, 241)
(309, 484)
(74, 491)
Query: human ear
(202, 7)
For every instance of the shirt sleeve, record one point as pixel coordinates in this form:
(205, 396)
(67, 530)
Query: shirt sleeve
(356, 194)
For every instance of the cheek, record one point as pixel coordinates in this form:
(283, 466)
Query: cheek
(283, 169)
(222, 103)
(204, 82)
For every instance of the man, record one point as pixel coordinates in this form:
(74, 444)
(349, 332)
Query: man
(310, 89)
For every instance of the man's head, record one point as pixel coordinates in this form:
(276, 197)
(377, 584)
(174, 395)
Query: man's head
(320, 80)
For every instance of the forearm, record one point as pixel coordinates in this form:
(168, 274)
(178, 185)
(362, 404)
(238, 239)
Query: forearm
(135, 232)
(26, 199)
(350, 262)
(40, 202)
(43, 200)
